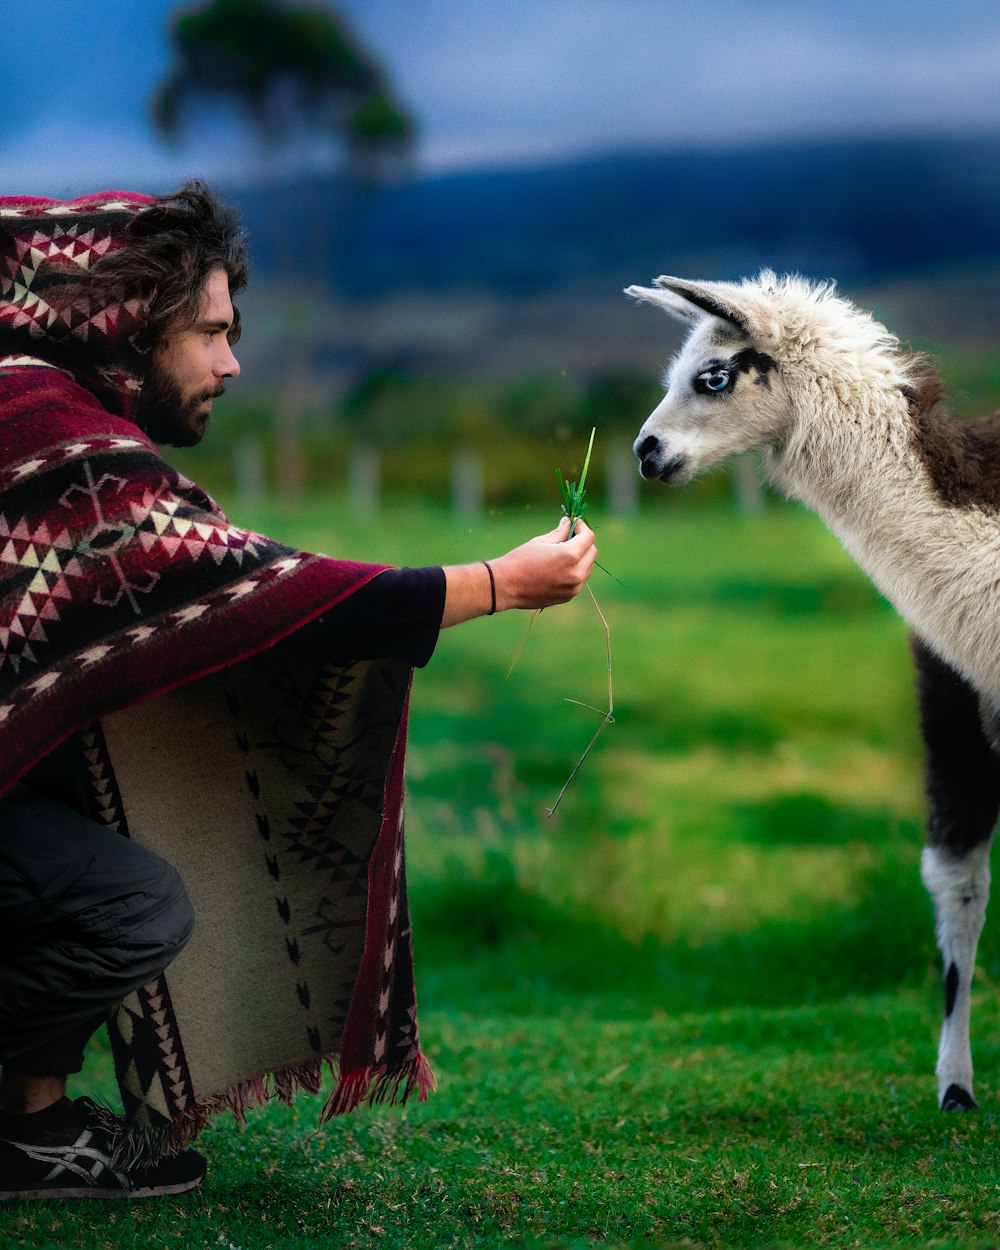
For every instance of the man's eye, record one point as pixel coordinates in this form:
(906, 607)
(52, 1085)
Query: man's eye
(715, 381)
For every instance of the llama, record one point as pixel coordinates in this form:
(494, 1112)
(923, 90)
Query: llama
(853, 427)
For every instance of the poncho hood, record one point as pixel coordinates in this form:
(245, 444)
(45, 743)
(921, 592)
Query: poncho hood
(48, 314)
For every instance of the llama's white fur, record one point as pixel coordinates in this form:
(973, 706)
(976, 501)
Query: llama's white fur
(960, 887)
(830, 407)
(837, 433)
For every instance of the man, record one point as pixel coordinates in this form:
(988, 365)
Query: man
(235, 708)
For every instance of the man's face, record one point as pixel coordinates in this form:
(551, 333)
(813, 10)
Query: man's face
(188, 370)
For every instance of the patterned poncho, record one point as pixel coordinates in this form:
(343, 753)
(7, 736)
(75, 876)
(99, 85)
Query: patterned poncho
(137, 619)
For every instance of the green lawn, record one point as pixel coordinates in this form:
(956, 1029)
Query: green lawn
(699, 1004)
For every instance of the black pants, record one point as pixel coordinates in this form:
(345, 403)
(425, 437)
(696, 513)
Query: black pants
(86, 917)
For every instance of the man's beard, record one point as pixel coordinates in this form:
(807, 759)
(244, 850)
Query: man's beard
(164, 413)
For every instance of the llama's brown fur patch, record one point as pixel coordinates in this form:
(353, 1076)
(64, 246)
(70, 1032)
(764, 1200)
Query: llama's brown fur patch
(962, 458)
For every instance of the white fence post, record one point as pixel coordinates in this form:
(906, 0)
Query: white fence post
(363, 480)
(749, 487)
(467, 482)
(249, 472)
(623, 480)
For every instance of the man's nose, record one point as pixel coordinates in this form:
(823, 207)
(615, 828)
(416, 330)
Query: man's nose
(227, 366)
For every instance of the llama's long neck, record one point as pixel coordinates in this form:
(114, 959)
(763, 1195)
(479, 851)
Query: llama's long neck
(865, 474)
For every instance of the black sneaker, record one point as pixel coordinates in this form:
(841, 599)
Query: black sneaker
(71, 1157)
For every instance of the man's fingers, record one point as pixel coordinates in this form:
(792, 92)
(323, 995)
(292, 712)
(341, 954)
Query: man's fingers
(583, 535)
(561, 531)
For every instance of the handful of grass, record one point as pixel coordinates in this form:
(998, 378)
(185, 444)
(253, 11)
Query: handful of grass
(574, 503)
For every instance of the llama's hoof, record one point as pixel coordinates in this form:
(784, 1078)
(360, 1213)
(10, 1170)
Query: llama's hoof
(958, 1099)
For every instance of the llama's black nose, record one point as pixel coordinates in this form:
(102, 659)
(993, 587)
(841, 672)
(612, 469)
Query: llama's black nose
(648, 453)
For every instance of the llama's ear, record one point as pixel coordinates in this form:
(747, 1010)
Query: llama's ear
(746, 307)
(713, 299)
(675, 305)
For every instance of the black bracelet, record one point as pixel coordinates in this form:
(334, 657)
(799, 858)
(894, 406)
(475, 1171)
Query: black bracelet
(493, 591)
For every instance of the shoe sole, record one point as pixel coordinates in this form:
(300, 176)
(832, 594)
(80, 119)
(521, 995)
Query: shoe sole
(93, 1191)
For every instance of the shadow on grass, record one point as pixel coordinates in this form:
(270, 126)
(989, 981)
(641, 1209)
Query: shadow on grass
(806, 819)
(847, 595)
(486, 938)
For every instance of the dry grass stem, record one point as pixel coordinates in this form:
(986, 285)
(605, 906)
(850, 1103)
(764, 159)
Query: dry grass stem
(607, 717)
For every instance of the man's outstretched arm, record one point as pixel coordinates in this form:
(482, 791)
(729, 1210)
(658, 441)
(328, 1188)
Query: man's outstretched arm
(544, 571)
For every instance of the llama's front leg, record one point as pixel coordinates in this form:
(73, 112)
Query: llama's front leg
(960, 887)
(962, 774)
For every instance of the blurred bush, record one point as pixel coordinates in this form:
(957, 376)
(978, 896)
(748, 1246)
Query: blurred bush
(522, 427)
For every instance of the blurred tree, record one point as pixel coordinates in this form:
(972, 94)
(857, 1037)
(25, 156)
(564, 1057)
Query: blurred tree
(301, 79)
(295, 73)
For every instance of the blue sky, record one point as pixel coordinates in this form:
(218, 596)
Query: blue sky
(506, 81)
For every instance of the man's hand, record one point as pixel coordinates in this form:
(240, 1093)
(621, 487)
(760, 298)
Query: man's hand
(546, 570)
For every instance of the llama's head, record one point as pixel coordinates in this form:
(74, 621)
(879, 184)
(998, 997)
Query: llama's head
(759, 356)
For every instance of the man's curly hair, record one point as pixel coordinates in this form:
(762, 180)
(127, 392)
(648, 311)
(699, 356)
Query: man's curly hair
(171, 248)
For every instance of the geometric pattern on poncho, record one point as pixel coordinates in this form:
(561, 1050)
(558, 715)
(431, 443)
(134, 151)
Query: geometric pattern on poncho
(311, 733)
(312, 939)
(47, 248)
(36, 250)
(142, 1029)
(119, 573)
(53, 559)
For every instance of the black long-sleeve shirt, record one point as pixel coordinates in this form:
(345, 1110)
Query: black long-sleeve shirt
(396, 615)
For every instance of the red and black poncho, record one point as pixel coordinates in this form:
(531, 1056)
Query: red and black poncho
(122, 582)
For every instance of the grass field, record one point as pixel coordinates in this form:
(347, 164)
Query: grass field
(699, 1004)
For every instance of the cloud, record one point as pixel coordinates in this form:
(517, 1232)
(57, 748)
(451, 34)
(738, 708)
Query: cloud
(502, 82)
(521, 80)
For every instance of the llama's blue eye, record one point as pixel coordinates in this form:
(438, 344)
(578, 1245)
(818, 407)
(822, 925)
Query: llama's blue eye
(714, 381)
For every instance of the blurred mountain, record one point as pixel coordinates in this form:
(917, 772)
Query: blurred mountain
(499, 272)
(856, 211)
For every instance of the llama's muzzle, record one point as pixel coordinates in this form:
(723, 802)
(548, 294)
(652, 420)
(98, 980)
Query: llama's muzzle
(651, 460)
